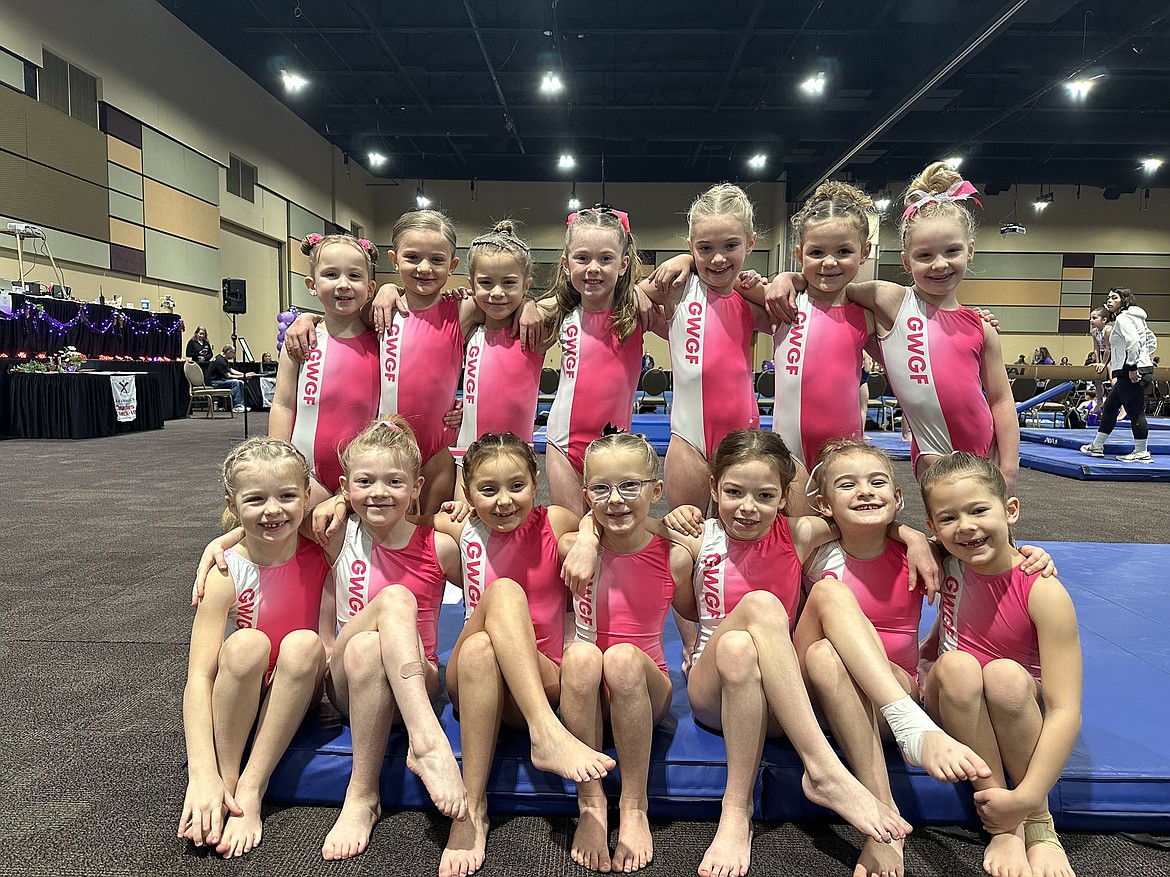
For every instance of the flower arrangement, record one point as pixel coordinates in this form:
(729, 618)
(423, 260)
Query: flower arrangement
(167, 303)
(70, 358)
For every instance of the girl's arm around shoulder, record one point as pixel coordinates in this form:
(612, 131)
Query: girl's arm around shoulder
(682, 568)
(579, 547)
(447, 553)
(1003, 407)
(922, 566)
(809, 533)
(470, 315)
(687, 535)
(881, 297)
(563, 520)
(284, 397)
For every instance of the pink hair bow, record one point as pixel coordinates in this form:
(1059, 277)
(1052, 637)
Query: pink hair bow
(960, 191)
(623, 217)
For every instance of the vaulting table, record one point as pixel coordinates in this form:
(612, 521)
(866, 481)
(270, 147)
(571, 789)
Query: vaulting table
(79, 404)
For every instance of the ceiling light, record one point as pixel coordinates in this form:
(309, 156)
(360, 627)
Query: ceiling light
(566, 161)
(421, 199)
(758, 160)
(574, 201)
(882, 204)
(1042, 202)
(814, 85)
(1078, 88)
(1151, 164)
(551, 83)
(377, 159)
(953, 162)
(293, 81)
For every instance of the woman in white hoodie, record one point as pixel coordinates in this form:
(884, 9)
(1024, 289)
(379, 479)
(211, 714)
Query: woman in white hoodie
(1132, 368)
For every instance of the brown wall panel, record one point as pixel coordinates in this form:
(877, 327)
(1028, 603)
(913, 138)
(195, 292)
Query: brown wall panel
(57, 140)
(127, 260)
(298, 262)
(124, 154)
(51, 198)
(1143, 281)
(177, 213)
(1076, 273)
(1010, 292)
(127, 234)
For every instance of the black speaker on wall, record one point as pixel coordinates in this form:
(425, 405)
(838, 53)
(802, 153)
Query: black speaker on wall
(235, 296)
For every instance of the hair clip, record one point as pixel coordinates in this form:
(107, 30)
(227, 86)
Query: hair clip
(313, 239)
(811, 490)
(623, 217)
(960, 191)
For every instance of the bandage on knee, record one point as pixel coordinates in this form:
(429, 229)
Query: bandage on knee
(910, 724)
(412, 668)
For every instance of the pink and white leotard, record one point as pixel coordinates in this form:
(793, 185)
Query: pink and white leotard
(711, 364)
(337, 397)
(363, 568)
(987, 616)
(933, 360)
(818, 358)
(628, 600)
(528, 555)
(276, 600)
(881, 586)
(501, 381)
(727, 569)
(599, 377)
(421, 356)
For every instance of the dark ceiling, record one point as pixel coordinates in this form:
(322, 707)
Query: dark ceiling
(689, 90)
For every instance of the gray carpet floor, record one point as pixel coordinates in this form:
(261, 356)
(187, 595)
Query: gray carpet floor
(100, 543)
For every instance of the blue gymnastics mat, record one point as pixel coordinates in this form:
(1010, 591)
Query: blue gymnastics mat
(1073, 464)
(1118, 777)
(1119, 442)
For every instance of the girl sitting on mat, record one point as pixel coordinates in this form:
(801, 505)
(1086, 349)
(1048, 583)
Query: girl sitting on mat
(616, 667)
(1001, 633)
(267, 673)
(506, 663)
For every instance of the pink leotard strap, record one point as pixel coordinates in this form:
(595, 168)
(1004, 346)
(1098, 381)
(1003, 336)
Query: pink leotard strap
(337, 396)
(987, 616)
(711, 366)
(501, 382)
(599, 377)
(277, 600)
(933, 360)
(881, 586)
(728, 568)
(818, 358)
(421, 356)
(628, 600)
(528, 555)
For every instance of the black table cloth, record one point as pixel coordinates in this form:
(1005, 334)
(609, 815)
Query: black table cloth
(176, 392)
(47, 325)
(78, 405)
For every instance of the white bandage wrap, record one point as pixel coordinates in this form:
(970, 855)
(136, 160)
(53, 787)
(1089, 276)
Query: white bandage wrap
(910, 723)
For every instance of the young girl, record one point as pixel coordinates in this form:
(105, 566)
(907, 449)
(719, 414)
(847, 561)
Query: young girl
(1101, 330)
(616, 668)
(267, 672)
(942, 361)
(1132, 370)
(594, 304)
(745, 678)
(322, 403)
(857, 636)
(506, 663)
(711, 331)
(501, 379)
(1002, 632)
(389, 575)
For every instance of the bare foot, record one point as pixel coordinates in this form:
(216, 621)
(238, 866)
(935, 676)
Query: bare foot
(842, 793)
(561, 753)
(242, 833)
(439, 771)
(591, 839)
(948, 760)
(1005, 856)
(730, 853)
(635, 846)
(880, 860)
(466, 843)
(350, 834)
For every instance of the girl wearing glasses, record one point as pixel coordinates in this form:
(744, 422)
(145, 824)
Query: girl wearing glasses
(616, 667)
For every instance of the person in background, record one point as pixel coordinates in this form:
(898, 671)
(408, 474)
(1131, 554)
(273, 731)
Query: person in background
(199, 348)
(1041, 356)
(1022, 360)
(221, 374)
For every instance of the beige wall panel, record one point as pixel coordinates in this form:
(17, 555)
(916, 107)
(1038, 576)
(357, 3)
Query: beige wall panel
(125, 207)
(127, 234)
(1141, 260)
(11, 71)
(1077, 274)
(69, 250)
(1009, 292)
(1075, 313)
(1141, 280)
(257, 262)
(176, 260)
(180, 214)
(1076, 299)
(298, 262)
(122, 153)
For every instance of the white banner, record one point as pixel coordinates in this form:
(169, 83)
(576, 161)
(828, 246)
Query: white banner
(125, 397)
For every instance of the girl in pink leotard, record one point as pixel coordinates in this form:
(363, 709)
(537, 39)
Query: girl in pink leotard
(747, 585)
(322, 403)
(389, 576)
(615, 667)
(270, 665)
(1001, 631)
(594, 307)
(506, 662)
